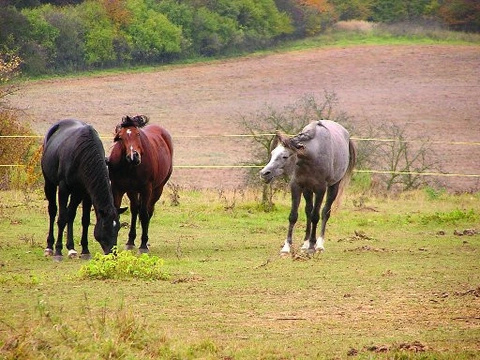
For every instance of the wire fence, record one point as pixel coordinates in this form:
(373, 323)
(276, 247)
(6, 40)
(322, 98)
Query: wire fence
(371, 171)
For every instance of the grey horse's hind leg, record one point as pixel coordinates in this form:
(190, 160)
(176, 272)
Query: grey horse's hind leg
(315, 217)
(332, 193)
(308, 196)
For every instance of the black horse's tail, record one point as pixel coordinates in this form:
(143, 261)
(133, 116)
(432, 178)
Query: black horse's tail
(50, 132)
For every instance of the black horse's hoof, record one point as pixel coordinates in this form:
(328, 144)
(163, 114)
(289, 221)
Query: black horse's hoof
(58, 258)
(85, 256)
(143, 251)
(72, 254)
(129, 247)
(47, 252)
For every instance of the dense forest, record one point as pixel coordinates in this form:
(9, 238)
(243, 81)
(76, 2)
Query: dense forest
(60, 36)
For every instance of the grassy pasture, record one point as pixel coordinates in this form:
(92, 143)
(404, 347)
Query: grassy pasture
(396, 281)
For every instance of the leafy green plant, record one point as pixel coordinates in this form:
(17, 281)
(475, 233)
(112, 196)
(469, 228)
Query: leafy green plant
(123, 265)
(451, 217)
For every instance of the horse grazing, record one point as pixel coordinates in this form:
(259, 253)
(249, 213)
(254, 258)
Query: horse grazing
(140, 165)
(320, 159)
(73, 161)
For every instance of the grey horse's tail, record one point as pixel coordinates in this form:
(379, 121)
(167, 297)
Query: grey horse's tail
(352, 159)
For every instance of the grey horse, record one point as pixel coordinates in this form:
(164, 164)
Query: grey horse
(319, 160)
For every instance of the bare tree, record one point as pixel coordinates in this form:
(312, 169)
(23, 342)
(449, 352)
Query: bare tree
(290, 120)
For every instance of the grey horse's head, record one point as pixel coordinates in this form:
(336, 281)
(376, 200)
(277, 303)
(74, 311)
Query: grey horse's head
(282, 159)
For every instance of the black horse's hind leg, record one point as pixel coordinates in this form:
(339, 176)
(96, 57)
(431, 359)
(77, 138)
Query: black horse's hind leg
(332, 193)
(72, 212)
(293, 217)
(51, 194)
(86, 207)
(308, 196)
(132, 234)
(315, 217)
(62, 219)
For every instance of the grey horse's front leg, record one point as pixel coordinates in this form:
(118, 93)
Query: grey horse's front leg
(293, 217)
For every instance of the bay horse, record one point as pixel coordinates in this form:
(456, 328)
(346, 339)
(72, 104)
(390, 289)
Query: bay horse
(73, 162)
(140, 165)
(319, 160)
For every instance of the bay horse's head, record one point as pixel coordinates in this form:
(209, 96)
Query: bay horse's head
(127, 133)
(282, 159)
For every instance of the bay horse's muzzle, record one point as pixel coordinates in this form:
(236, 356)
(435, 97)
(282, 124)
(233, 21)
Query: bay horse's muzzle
(134, 158)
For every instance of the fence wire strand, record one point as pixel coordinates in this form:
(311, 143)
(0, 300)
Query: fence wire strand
(463, 143)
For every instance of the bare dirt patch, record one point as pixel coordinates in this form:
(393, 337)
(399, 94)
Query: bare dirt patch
(434, 90)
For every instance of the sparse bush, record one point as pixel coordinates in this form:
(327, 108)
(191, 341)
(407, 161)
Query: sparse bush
(400, 161)
(290, 120)
(18, 142)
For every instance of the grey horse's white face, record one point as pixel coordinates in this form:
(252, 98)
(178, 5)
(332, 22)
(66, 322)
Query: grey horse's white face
(281, 162)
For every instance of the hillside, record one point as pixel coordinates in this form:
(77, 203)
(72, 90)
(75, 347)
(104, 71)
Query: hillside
(434, 90)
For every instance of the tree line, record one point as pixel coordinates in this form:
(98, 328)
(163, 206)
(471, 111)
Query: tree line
(59, 36)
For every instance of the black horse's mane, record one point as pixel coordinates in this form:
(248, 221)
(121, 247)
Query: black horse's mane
(91, 163)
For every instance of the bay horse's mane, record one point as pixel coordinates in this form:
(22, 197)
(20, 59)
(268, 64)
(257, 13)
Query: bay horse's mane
(138, 121)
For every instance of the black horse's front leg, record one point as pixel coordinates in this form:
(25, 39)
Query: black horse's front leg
(292, 218)
(87, 205)
(51, 194)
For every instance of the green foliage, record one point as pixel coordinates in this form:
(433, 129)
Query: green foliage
(451, 218)
(152, 35)
(99, 34)
(124, 265)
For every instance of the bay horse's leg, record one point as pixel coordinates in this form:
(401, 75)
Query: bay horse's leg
(316, 218)
(145, 213)
(86, 207)
(51, 195)
(132, 234)
(332, 193)
(62, 219)
(293, 217)
(308, 196)
(72, 212)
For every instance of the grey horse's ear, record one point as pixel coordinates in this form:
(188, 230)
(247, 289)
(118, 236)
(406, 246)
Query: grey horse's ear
(288, 142)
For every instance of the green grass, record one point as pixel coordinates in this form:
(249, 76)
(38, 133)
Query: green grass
(394, 278)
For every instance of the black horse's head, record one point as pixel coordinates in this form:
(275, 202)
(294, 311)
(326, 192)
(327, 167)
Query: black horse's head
(106, 229)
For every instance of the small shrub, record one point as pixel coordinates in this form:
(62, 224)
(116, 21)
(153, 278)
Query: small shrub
(452, 217)
(124, 265)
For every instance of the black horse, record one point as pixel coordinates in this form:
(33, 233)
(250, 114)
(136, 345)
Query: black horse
(73, 162)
